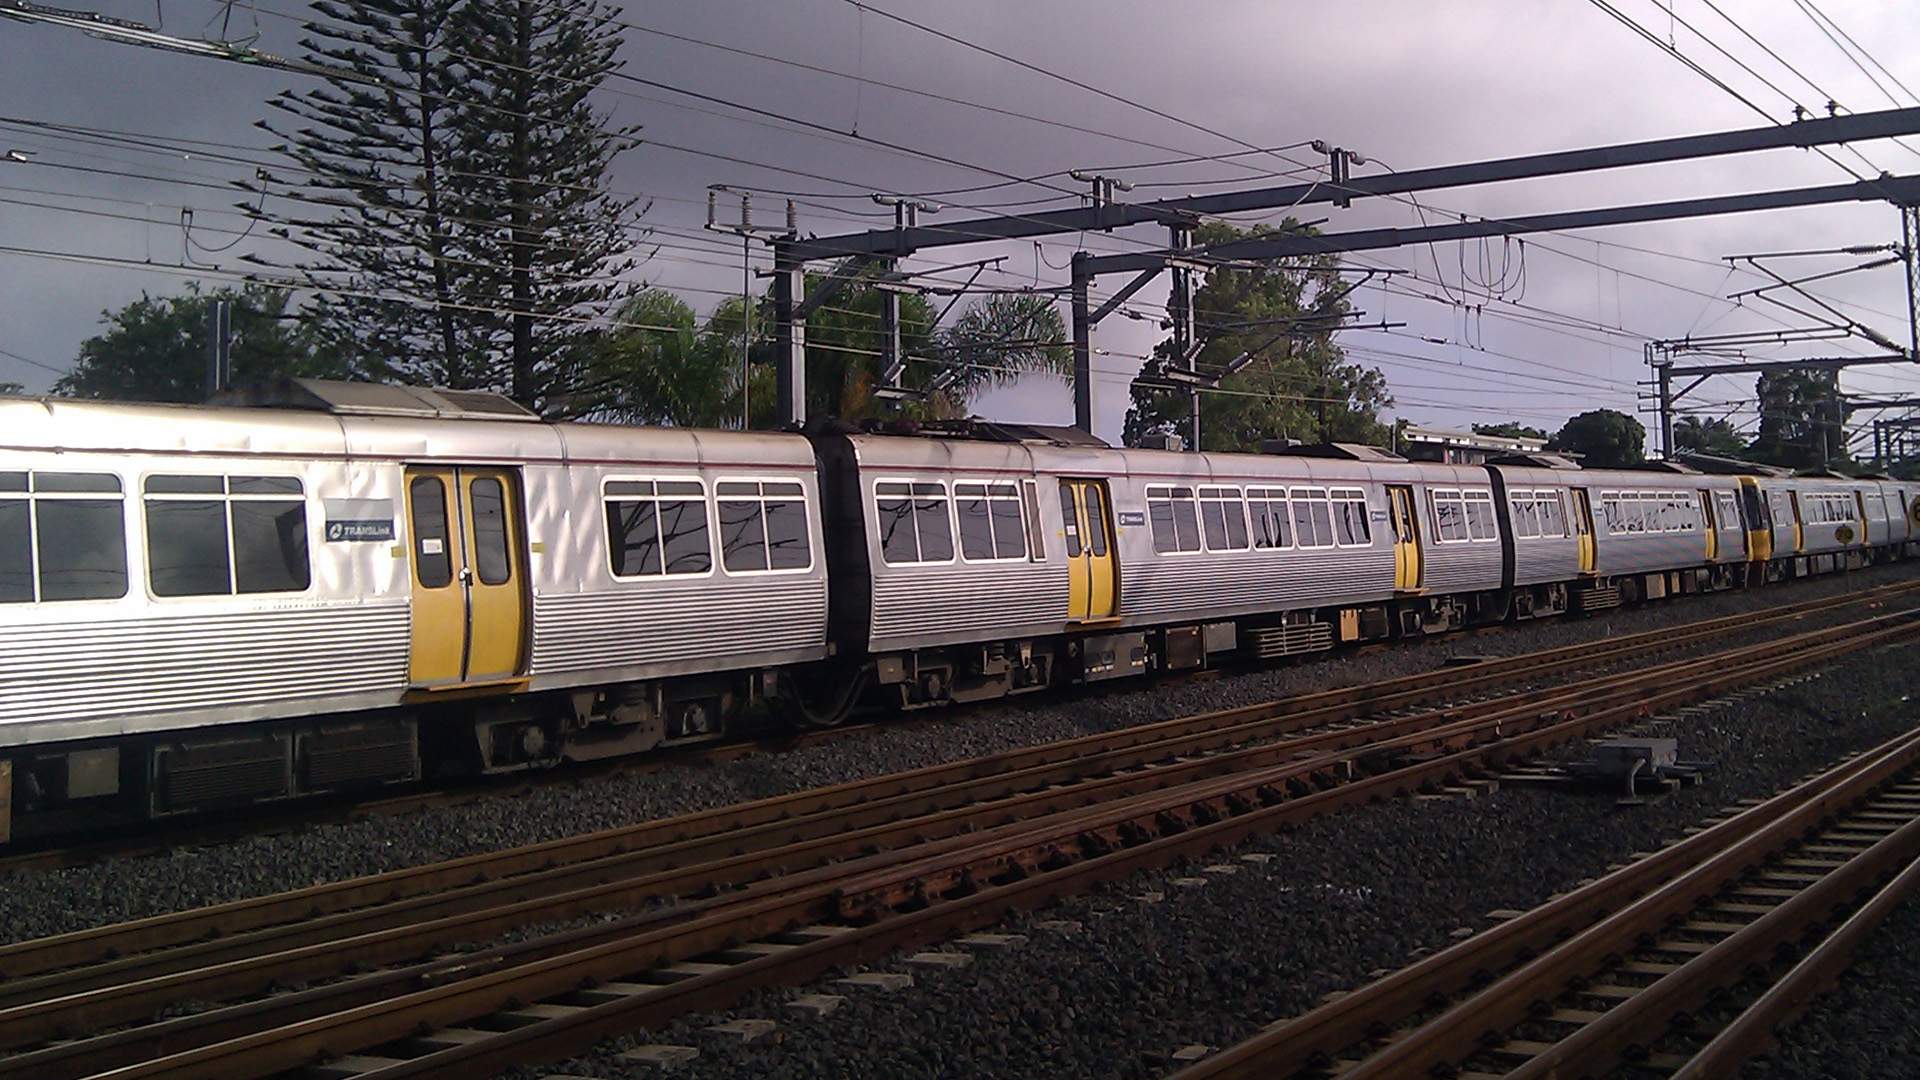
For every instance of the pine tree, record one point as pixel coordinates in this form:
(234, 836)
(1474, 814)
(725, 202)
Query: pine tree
(548, 243)
(373, 146)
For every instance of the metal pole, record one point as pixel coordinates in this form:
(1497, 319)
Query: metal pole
(746, 332)
(1664, 371)
(789, 334)
(1082, 346)
(1180, 310)
(219, 342)
(1909, 241)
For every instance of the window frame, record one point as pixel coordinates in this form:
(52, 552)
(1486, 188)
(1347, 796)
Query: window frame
(1470, 496)
(1223, 495)
(1268, 498)
(1351, 496)
(226, 498)
(707, 506)
(718, 543)
(1192, 499)
(32, 496)
(987, 496)
(913, 515)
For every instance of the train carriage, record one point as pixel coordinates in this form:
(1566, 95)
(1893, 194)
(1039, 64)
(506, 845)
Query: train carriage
(217, 605)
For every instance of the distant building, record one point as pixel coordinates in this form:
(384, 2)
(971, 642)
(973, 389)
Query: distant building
(1461, 447)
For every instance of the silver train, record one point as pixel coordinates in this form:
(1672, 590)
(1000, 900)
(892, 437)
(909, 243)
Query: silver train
(213, 606)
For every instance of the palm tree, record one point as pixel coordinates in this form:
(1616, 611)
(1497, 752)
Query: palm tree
(1005, 337)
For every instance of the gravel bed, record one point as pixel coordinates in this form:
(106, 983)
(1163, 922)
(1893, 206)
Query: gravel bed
(1340, 897)
(37, 903)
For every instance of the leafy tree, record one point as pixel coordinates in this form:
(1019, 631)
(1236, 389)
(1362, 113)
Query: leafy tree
(1715, 437)
(546, 242)
(1296, 381)
(998, 341)
(1510, 430)
(843, 352)
(1800, 419)
(375, 148)
(11, 389)
(655, 368)
(1606, 438)
(155, 349)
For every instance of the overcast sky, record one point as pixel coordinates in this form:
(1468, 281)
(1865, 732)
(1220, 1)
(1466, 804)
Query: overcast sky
(1408, 83)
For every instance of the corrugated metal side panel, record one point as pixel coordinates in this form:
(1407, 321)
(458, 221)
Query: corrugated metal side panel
(1459, 567)
(711, 621)
(1232, 583)
(1542, 561)
(159, 664)
(1636, 553)
(962, 602)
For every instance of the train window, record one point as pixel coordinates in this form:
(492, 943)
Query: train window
(1070, 520)
(657, 527)
(49, 483)
(763, 526)
(1312, 517)
(187, 547)
(1553, 514)
(16, 548)
(992, 522)
(1223, 519)
(1521, 512)
(1030, 501)
(215, 536)
(1176, 522)
(432, 557)
(487, 501)
(633, 538)
(1480, 517)
(786, 507)
(12, 483)
(1096, 520)
(1271, 517)
(914, 526)
(269, 545)
(1728, 509)
(1449, 515)
(1351, 528)
(82, 545)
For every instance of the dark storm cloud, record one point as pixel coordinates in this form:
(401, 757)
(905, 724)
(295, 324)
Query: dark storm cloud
(1408, 83)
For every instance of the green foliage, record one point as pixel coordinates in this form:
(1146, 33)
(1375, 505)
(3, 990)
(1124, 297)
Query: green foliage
(657, 369)
(1715, 437)
(1510, 430)
(999, 340)
(155, 349)
(11, 389)
(1604, 438)
(1298, 383)
(1800, 420)
(471, 239)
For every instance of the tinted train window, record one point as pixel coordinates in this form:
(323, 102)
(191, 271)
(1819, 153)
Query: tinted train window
(763, 526)
(1070, 516)
(1271, 517)
(1351, 527)
(1176, 522)
(913, 521)
(82, 537)
(976, 523)
(662, 530)
(1096, 520)
(269, 545)
(992, 521)
(187, 547)
(488, 504)
(786, 509)
(16, 550)
(1223, 519)
(432, 559)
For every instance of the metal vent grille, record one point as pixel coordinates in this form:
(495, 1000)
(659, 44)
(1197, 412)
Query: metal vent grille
(1596, 598)
(375, 754)
(1270, 642)
(219, 774)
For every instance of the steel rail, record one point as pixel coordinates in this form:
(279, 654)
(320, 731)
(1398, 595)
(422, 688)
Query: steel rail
(495, 988)
(1352, 1019)
(22, 959)
(122, 990)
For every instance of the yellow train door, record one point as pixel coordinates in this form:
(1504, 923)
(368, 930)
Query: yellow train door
(1583, 528)
(1709, 524)
(1092, 564)
(469, 593)
(1406, 539)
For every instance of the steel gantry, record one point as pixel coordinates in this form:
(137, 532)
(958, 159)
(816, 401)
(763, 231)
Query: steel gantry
(857, 252)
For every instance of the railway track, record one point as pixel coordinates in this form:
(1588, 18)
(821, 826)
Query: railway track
(137, 839)
(783, 889)
(1629, 971)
